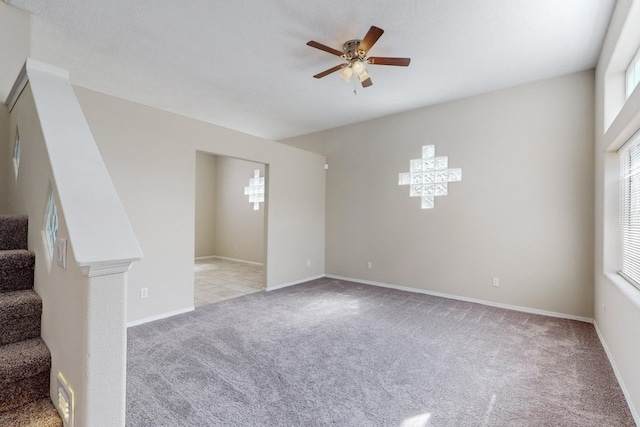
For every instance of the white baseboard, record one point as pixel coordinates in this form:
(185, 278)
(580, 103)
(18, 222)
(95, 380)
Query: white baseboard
(474, 300)
(297, 282)
(627, 396)
(229, 259)
(160, 316)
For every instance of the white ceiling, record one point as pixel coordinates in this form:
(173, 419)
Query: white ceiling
(245, 65)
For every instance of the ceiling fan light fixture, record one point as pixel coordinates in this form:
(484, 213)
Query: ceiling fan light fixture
(358, 67)
(363, 76)
(346, 74)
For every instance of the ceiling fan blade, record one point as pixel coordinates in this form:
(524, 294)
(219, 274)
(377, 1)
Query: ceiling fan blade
(329, 71)
(402, 62)
(367, 82)
(325, 48)
(371, 38)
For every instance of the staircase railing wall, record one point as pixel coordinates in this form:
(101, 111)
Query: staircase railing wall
(83, 286)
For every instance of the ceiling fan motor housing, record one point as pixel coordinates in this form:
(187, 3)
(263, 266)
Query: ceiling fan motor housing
(351, 50)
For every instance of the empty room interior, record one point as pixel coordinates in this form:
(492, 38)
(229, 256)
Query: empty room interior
(283, 213)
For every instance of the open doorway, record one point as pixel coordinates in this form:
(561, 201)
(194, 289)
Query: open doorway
(229, 229)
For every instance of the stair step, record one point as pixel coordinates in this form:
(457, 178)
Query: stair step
(16, 269)
(40, 413)
(13, 232)
(20, 314)
(24, 373)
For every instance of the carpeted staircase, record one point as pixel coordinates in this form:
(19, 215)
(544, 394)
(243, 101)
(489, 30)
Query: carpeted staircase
(25, 361)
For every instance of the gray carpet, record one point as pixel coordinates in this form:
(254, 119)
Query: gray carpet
(335, 353)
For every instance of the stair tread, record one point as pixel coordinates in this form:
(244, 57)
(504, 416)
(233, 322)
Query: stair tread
(16, 258)
(14, 303)
(23, 359)
(20, 314)
(13, 231)
(40, 413)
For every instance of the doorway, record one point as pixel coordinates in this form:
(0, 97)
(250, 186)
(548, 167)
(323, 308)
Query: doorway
(229, 229)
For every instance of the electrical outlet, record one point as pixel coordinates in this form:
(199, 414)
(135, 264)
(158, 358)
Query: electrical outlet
(144, 293)
(369, 265)
(495, 282)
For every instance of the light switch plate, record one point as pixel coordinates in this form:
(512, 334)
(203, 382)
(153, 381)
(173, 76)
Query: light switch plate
(61, 253)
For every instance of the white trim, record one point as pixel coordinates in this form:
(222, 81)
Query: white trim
(160, 316)
(229, 259)
(106, 268)
(32, 64)
(627, 396)
(474, 300)
(296, 282)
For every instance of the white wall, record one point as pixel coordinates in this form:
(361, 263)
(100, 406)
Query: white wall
(239, 228)
(151, 157)
(205, 221)
(523, 211)
(617, 303)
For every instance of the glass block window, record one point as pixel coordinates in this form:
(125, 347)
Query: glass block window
(17, 151)
(633, 74)
(429, 177)
(51, 223)
(255, 190)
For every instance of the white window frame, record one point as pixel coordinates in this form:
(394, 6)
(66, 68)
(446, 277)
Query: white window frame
(632, 75)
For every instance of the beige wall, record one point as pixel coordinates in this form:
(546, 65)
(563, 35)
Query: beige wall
(239, 229)
(6, 154)
(617, 303)
(205, 223)
(226, 224)
(151, 157)
(523, 211)
(15, 40)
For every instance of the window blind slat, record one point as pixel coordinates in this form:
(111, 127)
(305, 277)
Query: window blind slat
(629, 216)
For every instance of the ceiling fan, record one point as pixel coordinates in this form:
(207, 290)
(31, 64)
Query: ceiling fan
(355, 53)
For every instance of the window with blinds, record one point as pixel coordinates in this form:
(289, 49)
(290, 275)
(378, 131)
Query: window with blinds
(633, 74)
(629, 156)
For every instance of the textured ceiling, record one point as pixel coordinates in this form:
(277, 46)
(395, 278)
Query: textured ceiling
(245, 64)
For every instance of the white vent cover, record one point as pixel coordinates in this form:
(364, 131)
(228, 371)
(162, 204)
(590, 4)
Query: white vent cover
(65, 401)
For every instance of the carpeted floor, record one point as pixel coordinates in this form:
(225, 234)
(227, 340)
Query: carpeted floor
(335, 353)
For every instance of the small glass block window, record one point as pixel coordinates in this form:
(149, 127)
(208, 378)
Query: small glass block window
(455, 175)
(51, 223)
(255, 190)
(429, 177)
(428, 151)
(17, 151)
(404, 178)
(428, 202)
